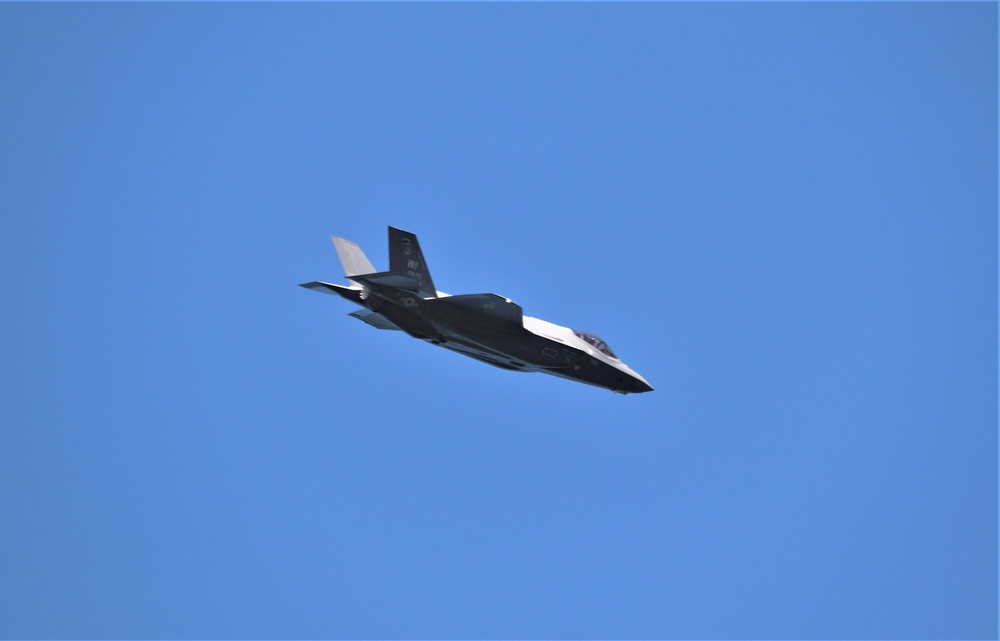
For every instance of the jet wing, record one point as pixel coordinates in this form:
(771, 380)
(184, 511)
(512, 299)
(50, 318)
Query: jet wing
(498, 312)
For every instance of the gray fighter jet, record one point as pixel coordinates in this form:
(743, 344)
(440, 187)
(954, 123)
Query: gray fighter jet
(487, 327)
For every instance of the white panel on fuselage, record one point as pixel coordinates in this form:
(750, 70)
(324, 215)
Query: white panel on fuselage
(546, 329)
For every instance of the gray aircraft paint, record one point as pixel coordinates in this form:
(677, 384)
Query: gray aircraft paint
(487, 327)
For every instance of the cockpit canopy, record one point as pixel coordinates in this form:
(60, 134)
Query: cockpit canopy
(595, 341)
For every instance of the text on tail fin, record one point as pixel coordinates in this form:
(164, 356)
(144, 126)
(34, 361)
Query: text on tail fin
(406, 259)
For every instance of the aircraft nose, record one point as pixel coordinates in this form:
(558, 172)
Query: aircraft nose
(638, 386)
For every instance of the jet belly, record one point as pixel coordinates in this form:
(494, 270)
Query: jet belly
(522, 351)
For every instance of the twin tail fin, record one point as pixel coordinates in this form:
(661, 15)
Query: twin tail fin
(407, 266)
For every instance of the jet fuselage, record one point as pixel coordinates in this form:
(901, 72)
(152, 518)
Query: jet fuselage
(486, 327)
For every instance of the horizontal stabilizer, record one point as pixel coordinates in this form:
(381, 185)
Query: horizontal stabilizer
(389, 279)
(353, 295)
(375, 320)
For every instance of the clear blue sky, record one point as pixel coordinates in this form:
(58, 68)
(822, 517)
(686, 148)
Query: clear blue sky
(783, 215)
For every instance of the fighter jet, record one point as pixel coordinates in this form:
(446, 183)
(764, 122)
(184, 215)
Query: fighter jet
(486, 327)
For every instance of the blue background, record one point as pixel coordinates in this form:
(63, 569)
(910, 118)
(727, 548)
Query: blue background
(783, 215)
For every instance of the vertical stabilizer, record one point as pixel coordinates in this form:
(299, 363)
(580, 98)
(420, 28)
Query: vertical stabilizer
(351, 257)
(406, 259)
